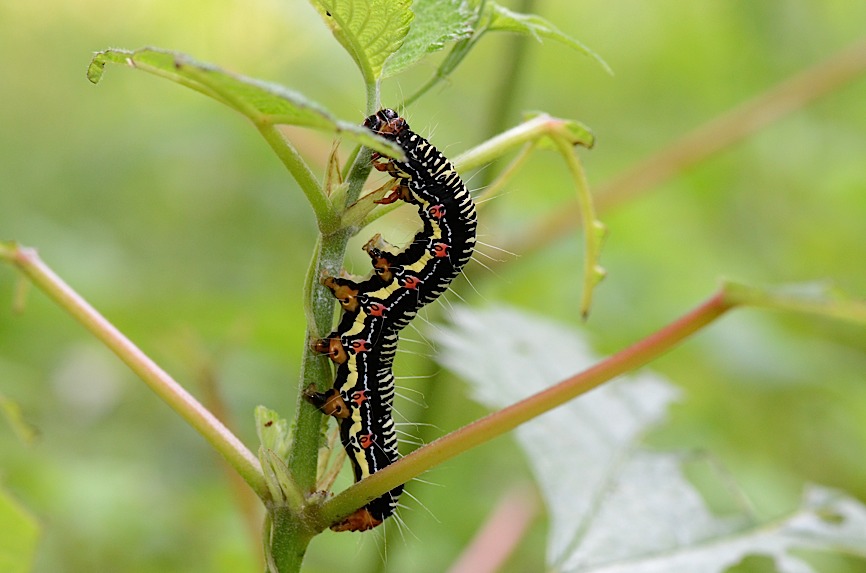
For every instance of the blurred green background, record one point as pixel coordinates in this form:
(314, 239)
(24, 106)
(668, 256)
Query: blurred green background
(170, 215)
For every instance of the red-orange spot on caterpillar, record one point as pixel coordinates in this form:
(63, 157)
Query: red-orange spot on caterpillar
(410, 282)
(376, 309)
(366, 440)
(360, 345)
(359, 397)
(440, 250)
(437, 211)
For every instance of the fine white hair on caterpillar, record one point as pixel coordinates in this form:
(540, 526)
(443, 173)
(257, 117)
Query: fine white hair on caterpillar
(377, 308)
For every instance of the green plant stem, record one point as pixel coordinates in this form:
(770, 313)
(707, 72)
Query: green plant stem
(287, 540)
(592, 228)
(290, 534)
(494, 147)
(181, 401)
(502, 179)
(301, 172)
(508, 418)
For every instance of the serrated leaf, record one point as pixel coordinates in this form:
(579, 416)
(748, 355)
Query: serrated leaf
(503, 19)
(436, 23)
(262, 102)
(615, 506)
(20, 533)
(370, 30)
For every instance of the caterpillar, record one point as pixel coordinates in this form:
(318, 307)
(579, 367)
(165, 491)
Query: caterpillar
(377, 308)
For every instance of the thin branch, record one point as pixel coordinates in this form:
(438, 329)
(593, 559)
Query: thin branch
(301, 172)
(505, 420)
(181, 401)
(593, 228)
(502, 179)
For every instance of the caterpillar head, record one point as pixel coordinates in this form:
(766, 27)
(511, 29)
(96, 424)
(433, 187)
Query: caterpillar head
(386, 123)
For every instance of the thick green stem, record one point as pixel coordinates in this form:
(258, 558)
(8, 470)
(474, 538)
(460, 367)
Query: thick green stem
(290, 534)
(287, 541)
(181, 401)
(507, 419)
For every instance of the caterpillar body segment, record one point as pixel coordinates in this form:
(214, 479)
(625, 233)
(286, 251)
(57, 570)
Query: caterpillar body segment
(376, 309)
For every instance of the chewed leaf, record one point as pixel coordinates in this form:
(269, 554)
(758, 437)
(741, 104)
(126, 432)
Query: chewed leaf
(370, 30)
(436, 23)
(615, 506)
(261, 102)
(509, 21)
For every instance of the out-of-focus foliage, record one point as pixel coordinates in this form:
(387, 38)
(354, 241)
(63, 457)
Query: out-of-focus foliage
(170, 215)
(637, 512)
(20, 532)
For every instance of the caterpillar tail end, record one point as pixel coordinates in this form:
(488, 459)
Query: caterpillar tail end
(361, 520)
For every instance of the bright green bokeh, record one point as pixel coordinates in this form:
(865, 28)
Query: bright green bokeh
(169, 213)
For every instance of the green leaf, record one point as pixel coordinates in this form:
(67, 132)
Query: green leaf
(490, 17)
(262, 102)
(503, 19)
(20, 533)
(273, 431)
(370, 30)
(436, 23)
(635, 511)
(281, 486)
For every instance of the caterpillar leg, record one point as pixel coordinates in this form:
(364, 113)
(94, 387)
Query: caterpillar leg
(400, 192)
(331, 347)
(361, 520)
(382, 256)
(344, 290)
(330, 402)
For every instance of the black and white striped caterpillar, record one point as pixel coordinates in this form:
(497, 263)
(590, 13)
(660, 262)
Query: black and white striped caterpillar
(376, 309)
